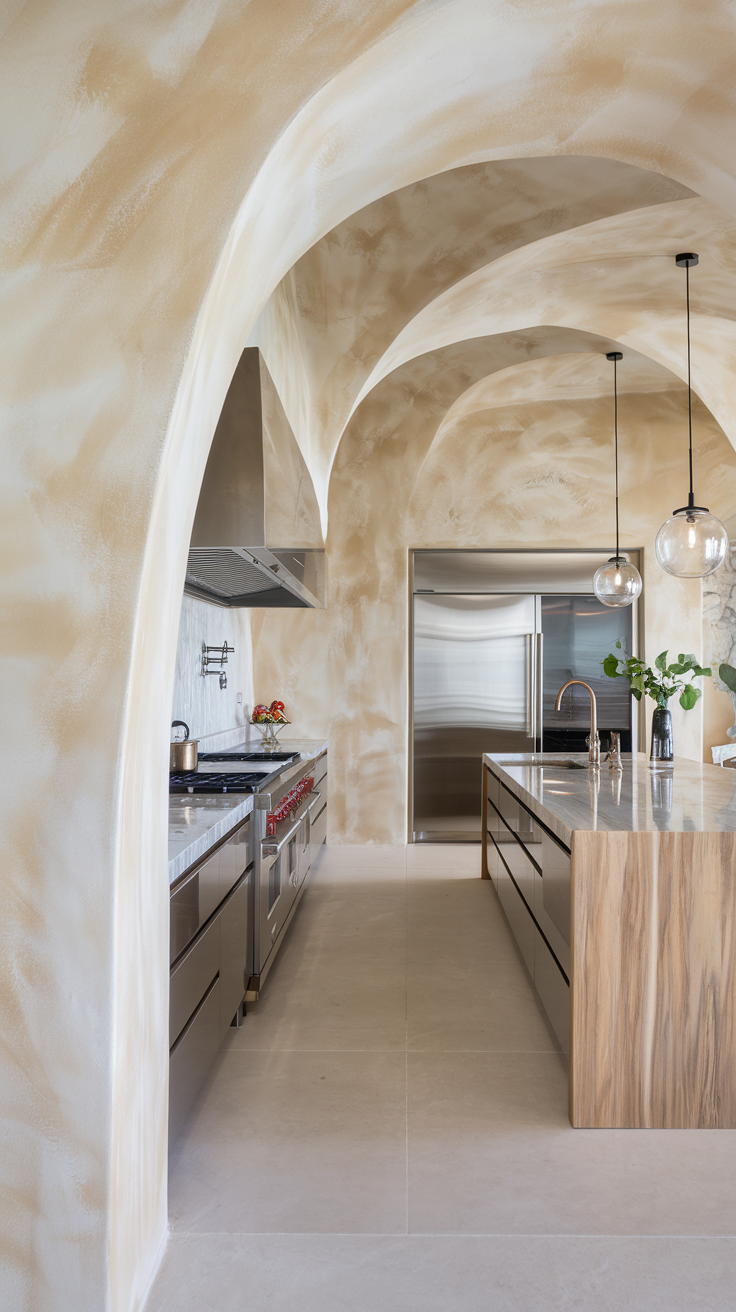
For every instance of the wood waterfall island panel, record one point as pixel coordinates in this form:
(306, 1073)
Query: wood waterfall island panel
(651, 930)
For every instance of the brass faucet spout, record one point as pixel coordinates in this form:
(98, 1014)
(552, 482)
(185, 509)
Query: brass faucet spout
(594, 749)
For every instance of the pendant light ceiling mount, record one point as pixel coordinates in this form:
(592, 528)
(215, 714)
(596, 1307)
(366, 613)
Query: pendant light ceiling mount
(692, 543)
(618, 582)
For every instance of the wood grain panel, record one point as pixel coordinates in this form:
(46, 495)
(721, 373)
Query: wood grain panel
(653, 988)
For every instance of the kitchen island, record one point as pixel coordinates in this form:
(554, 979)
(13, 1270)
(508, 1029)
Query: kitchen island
(621, 893)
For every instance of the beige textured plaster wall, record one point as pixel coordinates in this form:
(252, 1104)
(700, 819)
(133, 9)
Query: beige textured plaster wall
(164, 168)
(435, 458)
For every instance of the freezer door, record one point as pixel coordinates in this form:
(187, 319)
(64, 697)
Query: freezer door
(473, 692)
(578, 633)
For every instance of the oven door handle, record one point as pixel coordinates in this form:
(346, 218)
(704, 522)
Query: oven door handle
(271, 846)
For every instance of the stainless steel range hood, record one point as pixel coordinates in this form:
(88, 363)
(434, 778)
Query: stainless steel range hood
(256, 539)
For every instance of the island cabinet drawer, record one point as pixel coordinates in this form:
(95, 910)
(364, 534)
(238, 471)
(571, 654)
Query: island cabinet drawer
(518, 916)
(520, 866)
(496, 827)
(558, 944)
(553, 990)
(492, 860)
(556, 887)
(516, 816)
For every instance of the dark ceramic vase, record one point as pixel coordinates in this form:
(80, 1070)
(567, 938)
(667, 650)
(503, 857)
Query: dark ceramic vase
(661, 752)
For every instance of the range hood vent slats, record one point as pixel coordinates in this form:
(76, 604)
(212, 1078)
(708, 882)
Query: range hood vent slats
(222, 571)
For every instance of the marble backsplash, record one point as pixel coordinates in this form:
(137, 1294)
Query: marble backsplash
(219, 714)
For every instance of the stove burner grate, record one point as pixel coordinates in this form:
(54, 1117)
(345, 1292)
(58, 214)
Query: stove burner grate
(215, 783)
(279, 757)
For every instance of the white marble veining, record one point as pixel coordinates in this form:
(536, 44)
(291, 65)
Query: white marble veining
(692, 797)
(199, 700)
(199, 820)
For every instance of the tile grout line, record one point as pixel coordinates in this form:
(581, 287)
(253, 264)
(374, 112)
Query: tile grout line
(440, 1234)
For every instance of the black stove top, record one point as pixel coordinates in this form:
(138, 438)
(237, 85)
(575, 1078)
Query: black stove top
(280, 757)
(216, 783)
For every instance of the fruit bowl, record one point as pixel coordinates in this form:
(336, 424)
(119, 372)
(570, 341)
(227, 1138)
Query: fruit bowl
(269, 733)
(269, 721)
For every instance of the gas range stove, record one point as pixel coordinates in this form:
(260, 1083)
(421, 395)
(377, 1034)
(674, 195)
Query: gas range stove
(238, 780)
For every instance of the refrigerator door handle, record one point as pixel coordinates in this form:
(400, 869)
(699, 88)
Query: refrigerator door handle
(539, 679)
(531, 698)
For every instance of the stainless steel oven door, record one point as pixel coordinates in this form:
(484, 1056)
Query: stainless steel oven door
(276, 893)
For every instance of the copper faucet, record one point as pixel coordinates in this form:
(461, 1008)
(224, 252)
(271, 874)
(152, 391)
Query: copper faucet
(594, 747)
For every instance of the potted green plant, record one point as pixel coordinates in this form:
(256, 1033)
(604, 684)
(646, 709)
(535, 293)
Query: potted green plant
(660, 682)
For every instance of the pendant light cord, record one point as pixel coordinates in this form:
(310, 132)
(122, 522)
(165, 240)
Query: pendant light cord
(691, 500)
(615, 444)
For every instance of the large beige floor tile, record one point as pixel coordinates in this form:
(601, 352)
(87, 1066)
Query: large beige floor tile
(491, 1151)
(469, 1008)
(462, 916)
(350, 861)
(443, 860)
(339, 980)
(295, 1142)
(467, 987)
(348, 1009)
(237, 1273)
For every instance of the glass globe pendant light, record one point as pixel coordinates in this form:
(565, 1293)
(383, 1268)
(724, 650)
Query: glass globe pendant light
(692, 543)
(618, 582)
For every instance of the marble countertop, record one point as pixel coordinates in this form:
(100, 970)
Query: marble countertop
(199, 820)
(691, 797)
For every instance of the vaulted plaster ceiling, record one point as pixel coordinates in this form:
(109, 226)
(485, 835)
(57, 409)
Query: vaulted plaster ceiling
(580, 247)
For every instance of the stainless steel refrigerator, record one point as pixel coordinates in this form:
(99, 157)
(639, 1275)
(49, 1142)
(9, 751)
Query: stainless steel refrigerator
(494, 636)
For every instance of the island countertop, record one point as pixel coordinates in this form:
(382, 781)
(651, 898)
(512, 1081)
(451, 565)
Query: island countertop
(690, 798)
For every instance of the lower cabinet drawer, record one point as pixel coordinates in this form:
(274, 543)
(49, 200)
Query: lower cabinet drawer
(517, 914)
(191, 1058)
(192, 977)
(553, 992)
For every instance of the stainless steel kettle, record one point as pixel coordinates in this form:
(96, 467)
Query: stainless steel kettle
(183, 753)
